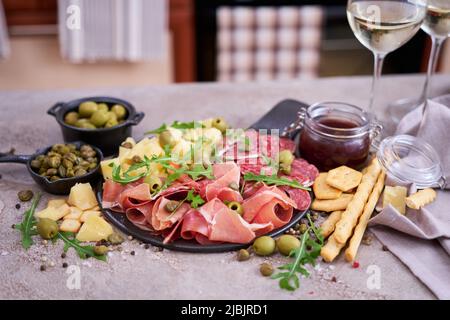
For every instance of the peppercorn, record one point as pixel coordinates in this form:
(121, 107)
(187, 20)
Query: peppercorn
(146, 246)
(63, 255)
(333, 279)
(42, 268)
(132, 253)
(65, 265)
(17, 206)
(384, 248)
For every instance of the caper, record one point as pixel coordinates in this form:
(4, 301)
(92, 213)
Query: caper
(87, 108)
(86, 147)
(54, 162)
(35, 164)
(80, 172)
(127, 145)
(102, 106)
(70, 173)
(72, 147)
(71, 157)
(67, 164)
(119, 110)
(220, 124)
(71, 118)
(47, 228)
(234, 186)
(136, 159)
(101, 250)
(64, 149)
(303, 228)
(264, 246)
(153, 182)
(99, 118)
(40, 157)
(286, 158)
(236, 206)
(25, 195)
(92, 166)
(84, 164)
(266, 269)
(52, 172)
(166, 138)
(56, 147)
(54, 178)
(115, 238)
(172, 205)
(243, 255)
(286, 243)
(62, 172)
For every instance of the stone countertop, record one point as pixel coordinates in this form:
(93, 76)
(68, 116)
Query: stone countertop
(150, 274)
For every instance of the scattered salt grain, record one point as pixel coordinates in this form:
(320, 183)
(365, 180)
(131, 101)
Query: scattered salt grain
(4, 253)
(44, 242)
(130, 238)
(331, 267)
(43, 259)
(87, 264)
(52, 264)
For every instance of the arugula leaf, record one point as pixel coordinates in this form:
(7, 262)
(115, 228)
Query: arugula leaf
(84, 252)
(177, 125)
(306, 253)
(28, 222)
(274, 180)
(195, 199)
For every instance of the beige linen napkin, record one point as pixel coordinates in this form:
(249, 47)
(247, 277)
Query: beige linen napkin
(423, 238)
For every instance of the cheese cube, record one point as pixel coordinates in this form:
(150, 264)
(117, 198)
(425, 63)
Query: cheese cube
(73, 214)
(82, 196)
(54, 213)
(89, 213)
(94, 229)
(70, 225)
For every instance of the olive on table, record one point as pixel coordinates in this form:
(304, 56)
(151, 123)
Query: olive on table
(264, 246)
(220, 124)
(266, 269)
(99, 118)
(115, 238)
(153, 182)
(243, 255)
(166, 138)
(82, 123)
(236, 206)
(286, 243)
(101, 250)
(25, 195)
(47, 228)
(71, 118)
(87, 109)
(119, 110)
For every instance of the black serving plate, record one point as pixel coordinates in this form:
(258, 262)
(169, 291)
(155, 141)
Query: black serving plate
(278, 117)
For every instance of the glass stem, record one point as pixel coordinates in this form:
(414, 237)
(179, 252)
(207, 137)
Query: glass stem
(377, 67)
(436, 45)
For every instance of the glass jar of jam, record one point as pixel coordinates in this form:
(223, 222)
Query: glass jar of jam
(335, 134)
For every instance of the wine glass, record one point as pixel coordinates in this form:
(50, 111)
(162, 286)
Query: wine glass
(383, 26)
(437, 26)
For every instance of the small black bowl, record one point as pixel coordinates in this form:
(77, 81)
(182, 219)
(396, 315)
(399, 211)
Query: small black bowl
(107, 139)
(61, 186)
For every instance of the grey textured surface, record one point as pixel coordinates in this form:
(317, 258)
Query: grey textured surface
(171, 275)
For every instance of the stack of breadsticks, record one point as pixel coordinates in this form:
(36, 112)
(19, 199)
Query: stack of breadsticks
(347, 223)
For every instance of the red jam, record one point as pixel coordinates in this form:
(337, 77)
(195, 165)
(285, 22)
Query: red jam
(330, 140)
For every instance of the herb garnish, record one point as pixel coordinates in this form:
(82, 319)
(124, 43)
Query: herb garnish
(306, 253)
(195, 199)
(176, 125)
(28, 222)
(84, 252)
(274, 180)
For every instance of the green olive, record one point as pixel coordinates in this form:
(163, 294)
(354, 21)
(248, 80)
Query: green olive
(101, 250)
(103, 106)
(266, 269)
(47, 228)
(87, 108)
(119, 110)
(99, 118)
(154, 183)
(286, 157)
(286, 243)
(112, 122)
(84, 124)
(115, 238)
(71, 118)
(243, 255)
(264, 246)
(166, 138)
(285, 169)
(220, 124)
(35, 164)
(25, 195)
(236, 206)
(172, 205)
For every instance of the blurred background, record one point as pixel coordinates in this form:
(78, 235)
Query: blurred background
(46, 44)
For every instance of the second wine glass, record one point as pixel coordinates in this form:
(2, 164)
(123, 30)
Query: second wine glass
(383, 26)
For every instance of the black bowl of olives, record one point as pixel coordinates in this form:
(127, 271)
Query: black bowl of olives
(57, 168)
(101, 121)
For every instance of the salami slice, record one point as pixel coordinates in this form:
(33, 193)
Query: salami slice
(287, 144)
(300, 169)
(300, 197)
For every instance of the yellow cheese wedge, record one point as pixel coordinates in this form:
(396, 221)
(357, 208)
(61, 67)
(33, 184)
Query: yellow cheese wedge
(54, 213)
(89, 213)
(70, 225)
(56, 203)
(74, 214)
(82, 196)
(94, 229)
(395, 196)
(107, 169)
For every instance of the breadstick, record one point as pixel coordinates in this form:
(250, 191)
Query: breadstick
(420, 198)
(328, 225)
(332, 205)
(331, 249)
(350, 216)
(352, 249)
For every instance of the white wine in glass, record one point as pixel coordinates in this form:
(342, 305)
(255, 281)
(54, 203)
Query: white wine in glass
(384, 26)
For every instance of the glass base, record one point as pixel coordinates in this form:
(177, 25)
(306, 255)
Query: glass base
(398, 109)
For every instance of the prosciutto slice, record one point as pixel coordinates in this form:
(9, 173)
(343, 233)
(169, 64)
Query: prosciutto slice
(225, 174)
(162, 219)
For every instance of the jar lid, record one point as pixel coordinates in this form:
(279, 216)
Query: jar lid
(411, 160)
